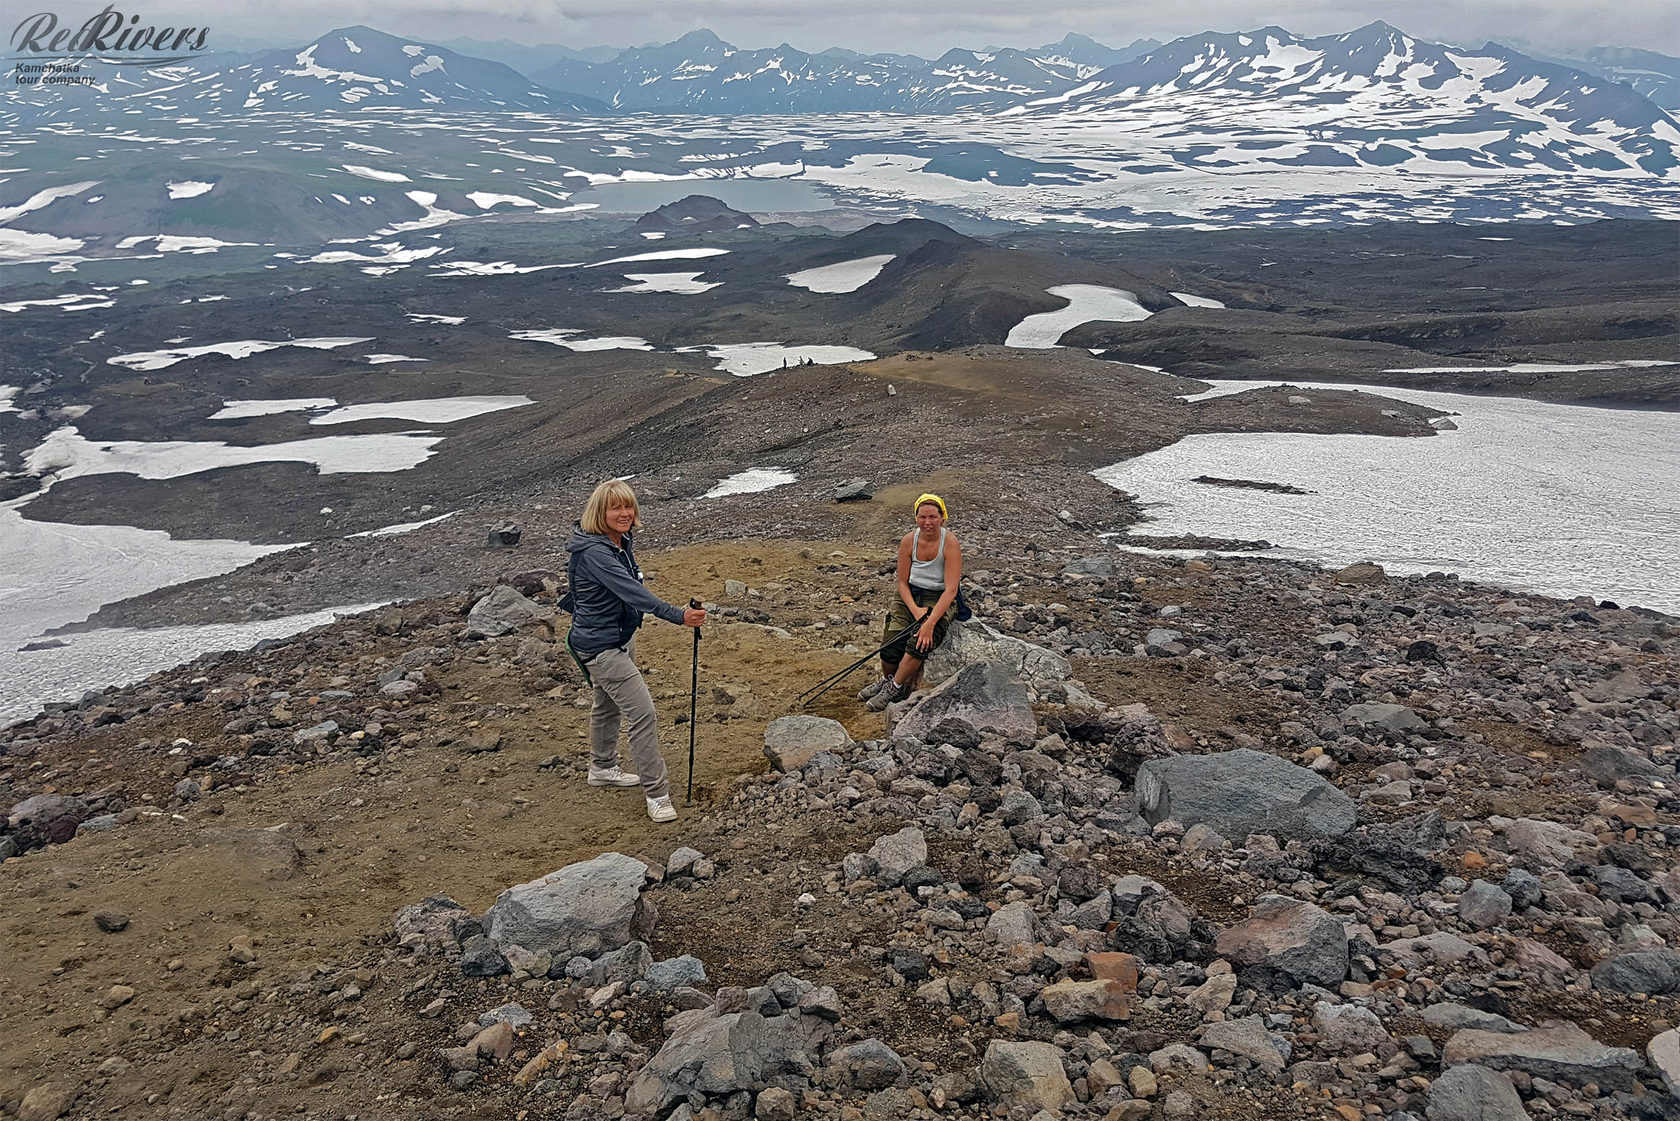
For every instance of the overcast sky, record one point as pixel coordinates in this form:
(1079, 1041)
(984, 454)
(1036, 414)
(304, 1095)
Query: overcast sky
(923, 27)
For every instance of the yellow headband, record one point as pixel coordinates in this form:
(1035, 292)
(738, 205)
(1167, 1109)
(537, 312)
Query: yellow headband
(936, 500)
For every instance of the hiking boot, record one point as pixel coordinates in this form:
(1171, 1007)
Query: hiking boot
(890, 695)
(612, 776)
(661, 809)
(873, 687)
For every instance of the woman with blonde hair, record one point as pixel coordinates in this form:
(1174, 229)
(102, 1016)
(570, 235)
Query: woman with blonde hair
(929, 569)
(607, 600)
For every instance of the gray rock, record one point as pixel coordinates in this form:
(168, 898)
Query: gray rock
(1247, 1037)
(791, 741)
(1654, 972)
(629, 964)
(1474, 1093)
(1349, 1028)
(1026, 1074)
(1364, 572)
(1241, 792)
(1561, 1053)
(583, 908)
(46, 819)
(987, 695)
(511, 1013)
(501, 612)
(674, 973)
(854, 490)
(773, 1102)
(503, 536)
(1098, 565)
(974, 642)
(481, 957)
(1289, 935)
(318, 733)
(682, 860)
(715, 1056)
(1013, 925)
(1483, 905)
(1523, 888)
(1664, 1053)
(1392, 718)
(1548, 844)
(897, 853)
(869, 1065)
(1449, 1015)
(1018, 807)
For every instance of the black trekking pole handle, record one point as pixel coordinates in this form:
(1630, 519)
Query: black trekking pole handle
(693, 705)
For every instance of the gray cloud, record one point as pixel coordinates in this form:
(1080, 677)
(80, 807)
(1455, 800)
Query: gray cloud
(929, 29)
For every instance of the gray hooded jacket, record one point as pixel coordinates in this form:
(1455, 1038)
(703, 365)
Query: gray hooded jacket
(608, 598)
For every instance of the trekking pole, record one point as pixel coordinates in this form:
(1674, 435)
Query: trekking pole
(693, 704)
(804, 699)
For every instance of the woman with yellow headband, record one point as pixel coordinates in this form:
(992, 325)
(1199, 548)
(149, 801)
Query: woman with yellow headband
(929, 569)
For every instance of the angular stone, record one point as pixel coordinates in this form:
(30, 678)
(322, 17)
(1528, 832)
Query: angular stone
(46, 819)
(715, 1055)
(502, 611)
(1348, 1028)
(1026, 1074)
(1214, 994)
(897, 853)
(1364, 572)
(1068, 1001)
(1241, 792)
(868, 1065)
(974, 642)
(583, 908)
(1013, 925)
(1548, 844)
(1247, 1037)
(854, 490)
(1289, 935)
(1474, 1093)
(1111, 965)
(1653, 972)
(674, 973)
(986, 695)
(791, 741)
(1562, 1053)
(1484, 905)
(1664, 1053)
(1393, 718)
(46, 1102)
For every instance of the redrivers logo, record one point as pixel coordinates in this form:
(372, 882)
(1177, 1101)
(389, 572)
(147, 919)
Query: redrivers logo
(110, 36)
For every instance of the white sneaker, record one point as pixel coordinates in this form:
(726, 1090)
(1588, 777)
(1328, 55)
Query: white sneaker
(661, 809)
(612, 776)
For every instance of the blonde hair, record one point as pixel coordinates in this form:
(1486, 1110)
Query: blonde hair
(613, 492)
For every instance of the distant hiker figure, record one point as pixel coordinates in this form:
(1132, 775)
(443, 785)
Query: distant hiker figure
(929, 568)
(607, 599)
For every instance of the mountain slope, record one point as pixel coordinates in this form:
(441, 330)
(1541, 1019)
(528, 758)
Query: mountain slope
(1376, 98)
(701, 73)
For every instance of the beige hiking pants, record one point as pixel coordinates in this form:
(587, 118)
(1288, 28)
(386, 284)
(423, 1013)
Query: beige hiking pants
(622, 697)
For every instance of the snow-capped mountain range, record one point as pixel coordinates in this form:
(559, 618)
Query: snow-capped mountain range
(701, 73)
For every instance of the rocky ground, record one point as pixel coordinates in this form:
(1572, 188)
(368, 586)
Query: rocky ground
(1185, 838)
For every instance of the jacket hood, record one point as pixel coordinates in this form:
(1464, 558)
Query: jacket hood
(581, 540)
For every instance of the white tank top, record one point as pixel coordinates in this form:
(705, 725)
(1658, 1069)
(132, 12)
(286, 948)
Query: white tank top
(928, 574)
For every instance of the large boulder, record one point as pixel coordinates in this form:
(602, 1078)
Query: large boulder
(1292, 936)
(1239, 792)
(968, 643)
(1474, 1093)
(502, 611)
(1561, 1053)
(586, 908)
(791, 741)
(987, 695)
(1546, 844)
(1025, 1073)
(1653, 972)
(711, 1055)
(1069, 1001)
(869, 1065)
(1664, 1053)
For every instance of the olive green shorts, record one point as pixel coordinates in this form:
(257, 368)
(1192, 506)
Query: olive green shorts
(903, 624)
